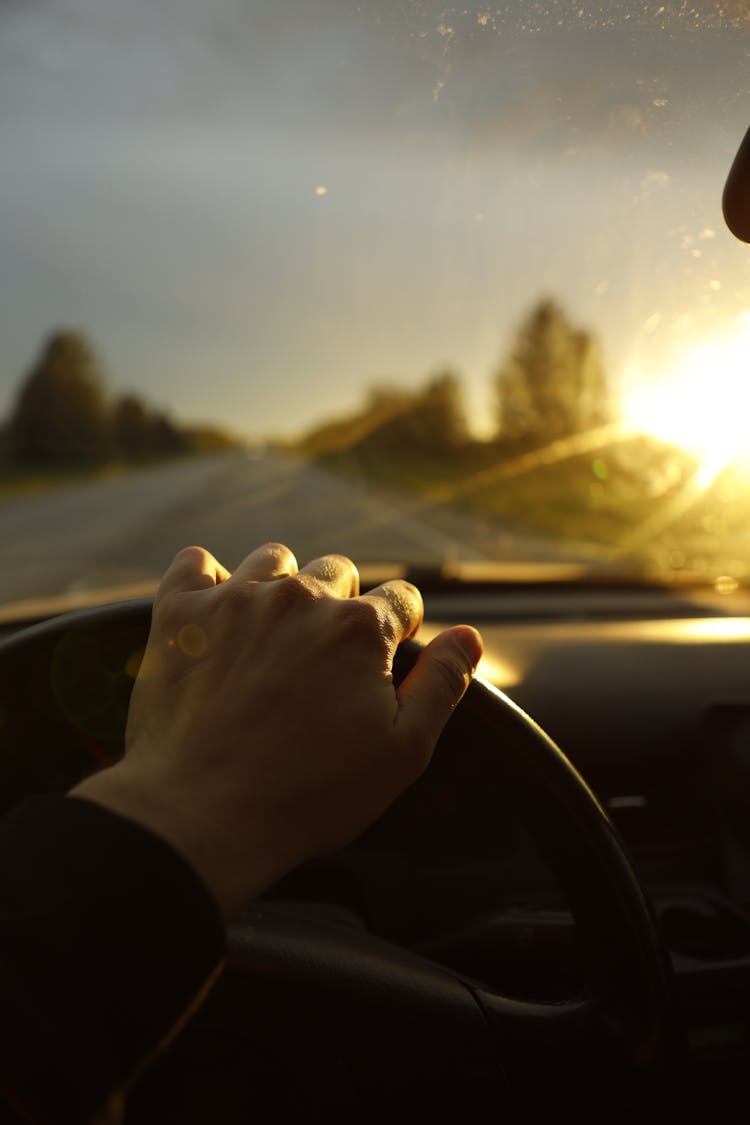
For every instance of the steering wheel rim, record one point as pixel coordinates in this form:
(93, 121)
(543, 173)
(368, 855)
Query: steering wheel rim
(619, 1034)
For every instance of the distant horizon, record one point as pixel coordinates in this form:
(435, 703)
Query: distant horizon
(481, 429)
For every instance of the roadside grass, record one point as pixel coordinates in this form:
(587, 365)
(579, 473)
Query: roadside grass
(16, 481)
(604, 498)
(26, 481)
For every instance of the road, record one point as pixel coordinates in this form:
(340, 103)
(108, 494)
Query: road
(112, 531)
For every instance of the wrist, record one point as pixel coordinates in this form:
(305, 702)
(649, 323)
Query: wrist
(231, 879)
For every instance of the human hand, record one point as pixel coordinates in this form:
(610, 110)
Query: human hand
(264, 727)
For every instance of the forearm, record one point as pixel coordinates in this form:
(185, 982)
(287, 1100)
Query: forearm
(106, 939)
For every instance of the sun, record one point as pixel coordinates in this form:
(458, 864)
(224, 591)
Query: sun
(703, 404)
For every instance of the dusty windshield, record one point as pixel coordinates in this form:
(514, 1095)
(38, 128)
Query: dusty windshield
(413, 282)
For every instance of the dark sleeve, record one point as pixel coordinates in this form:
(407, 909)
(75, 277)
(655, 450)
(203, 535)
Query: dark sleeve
(107, 937)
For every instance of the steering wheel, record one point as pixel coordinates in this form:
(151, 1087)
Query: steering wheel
(319, 1020)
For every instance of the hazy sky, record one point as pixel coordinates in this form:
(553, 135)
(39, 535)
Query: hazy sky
(163, 167)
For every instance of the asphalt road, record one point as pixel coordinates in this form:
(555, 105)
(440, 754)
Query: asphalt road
(106, 532)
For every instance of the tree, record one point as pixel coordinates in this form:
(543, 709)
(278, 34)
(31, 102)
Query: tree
(141, 433)
(60, 417)
(442, 415)
(337, 435)
(169, 439)
(552, 384)
(133, 428)
(430, 421)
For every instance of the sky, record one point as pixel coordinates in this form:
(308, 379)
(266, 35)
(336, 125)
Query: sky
(257, 208)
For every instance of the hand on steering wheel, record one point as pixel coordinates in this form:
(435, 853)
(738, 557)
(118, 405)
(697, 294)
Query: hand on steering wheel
(265, 728)
(611, 1052)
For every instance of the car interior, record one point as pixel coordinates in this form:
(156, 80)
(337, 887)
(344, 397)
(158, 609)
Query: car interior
(606, 936)
(554, 921)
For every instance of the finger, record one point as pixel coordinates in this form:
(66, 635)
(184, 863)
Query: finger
(193, 568)
(404, 604)
(436, 683)
(272, 560)
(338, 574)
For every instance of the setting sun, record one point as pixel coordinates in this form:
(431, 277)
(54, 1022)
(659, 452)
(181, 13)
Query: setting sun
(703, 405)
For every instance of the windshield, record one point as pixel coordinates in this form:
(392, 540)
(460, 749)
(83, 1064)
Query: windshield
(416, 283)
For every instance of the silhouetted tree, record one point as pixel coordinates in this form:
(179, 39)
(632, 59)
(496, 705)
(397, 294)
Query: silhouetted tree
(133, 428)
(443, 414)
(384, 399)
(434, 422)
(60, 417)
(430, 421)
(169, 439)
(141, 433)
(553, 382)
(336, 435)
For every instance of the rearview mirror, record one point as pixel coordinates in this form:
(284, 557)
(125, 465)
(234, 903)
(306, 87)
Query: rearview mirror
(736, 199)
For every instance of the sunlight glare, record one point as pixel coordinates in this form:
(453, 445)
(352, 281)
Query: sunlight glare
(703, 405)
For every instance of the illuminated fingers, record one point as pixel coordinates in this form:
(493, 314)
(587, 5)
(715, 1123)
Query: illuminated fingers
(402, 604)
(272, 560)
(193, 568)
(397, 603)
(337, 574)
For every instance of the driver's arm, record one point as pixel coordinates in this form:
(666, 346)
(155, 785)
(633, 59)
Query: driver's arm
(264, 730)
(107, 936)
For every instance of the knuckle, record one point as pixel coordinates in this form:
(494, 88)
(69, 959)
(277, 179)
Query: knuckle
(404, 601)
(278, 552)
(365, 623)
(191, 554)
(234, 597)
(325, 567)
(299, 589)
(339, 560)
(192, 568)
(405, 590)
(335, 561)
(334, 566)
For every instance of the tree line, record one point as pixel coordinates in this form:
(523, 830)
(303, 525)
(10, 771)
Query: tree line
(556, 463)
(64, 418)
(551, 385)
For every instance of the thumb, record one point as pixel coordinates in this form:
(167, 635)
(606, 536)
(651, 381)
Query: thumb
(436, 683)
